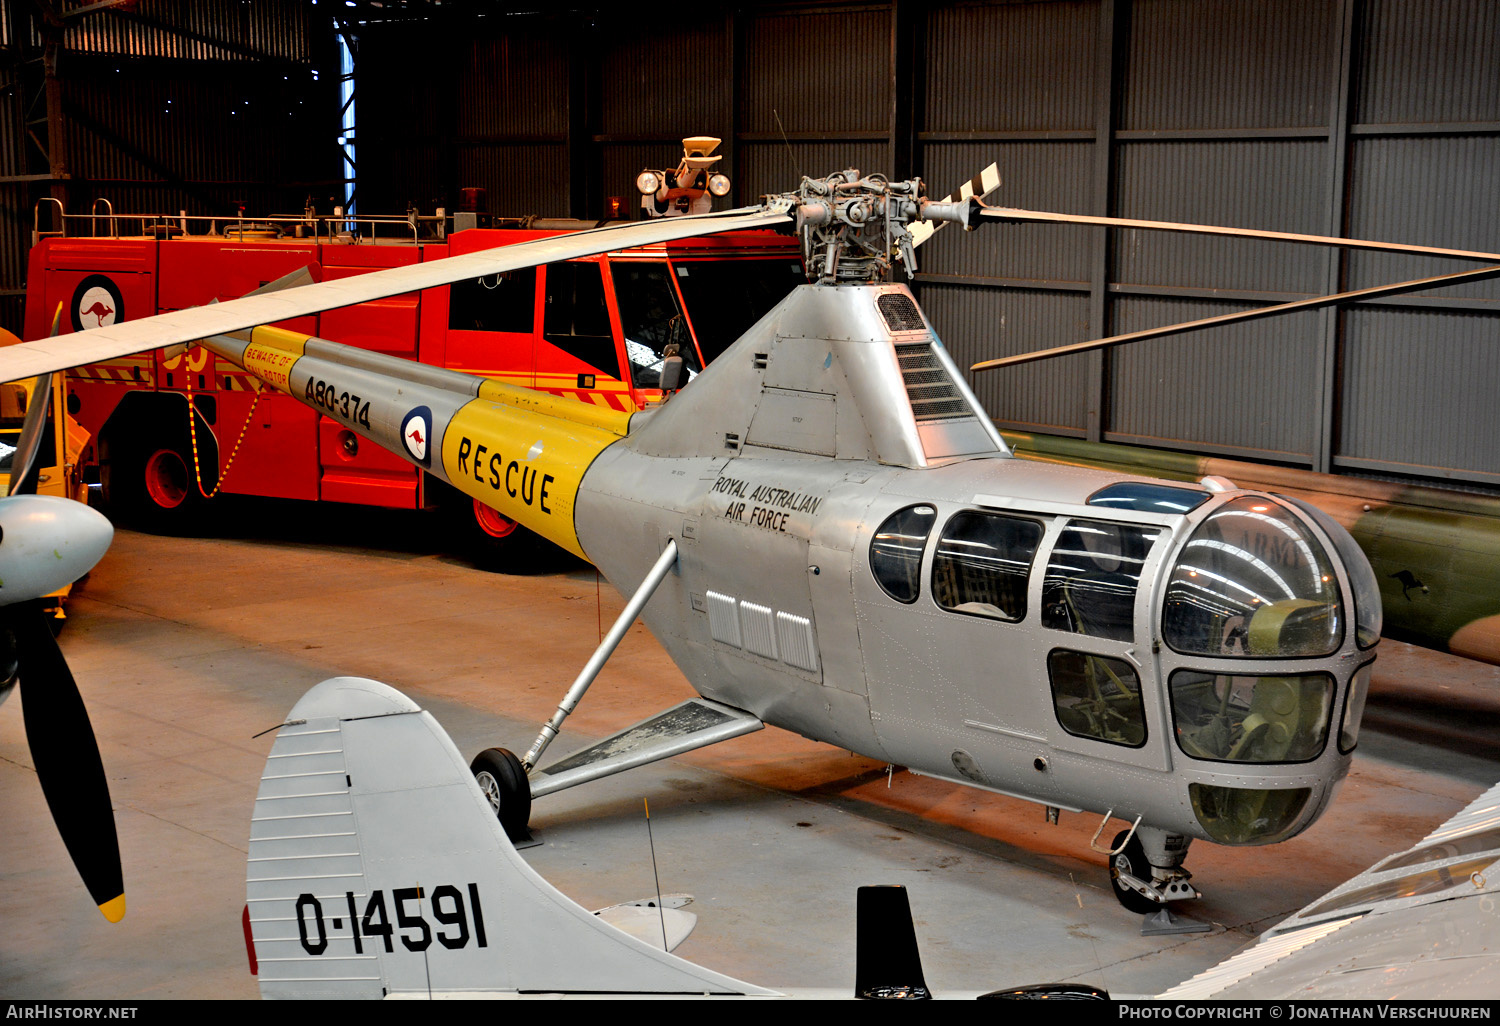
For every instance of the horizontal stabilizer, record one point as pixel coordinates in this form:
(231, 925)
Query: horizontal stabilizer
(377, 868)
(695, 723)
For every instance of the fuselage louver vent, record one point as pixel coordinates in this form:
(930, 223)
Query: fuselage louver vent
(932, 393)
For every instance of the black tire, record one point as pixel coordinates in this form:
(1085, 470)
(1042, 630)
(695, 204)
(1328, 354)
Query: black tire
(1131, 860)
(155, 487)
(500, 776)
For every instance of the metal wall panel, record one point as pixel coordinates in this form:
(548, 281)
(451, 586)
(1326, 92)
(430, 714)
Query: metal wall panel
(190, 30)
(1272, 184)
(1419, 392)
(1431, 190)
(1429, 61)
(1019, 67)
(518, 178)
(980, 324)
(516, 85)
(1037, 175)
(1214, 64)
(772, 167)
(819, 71)
(192, 123)
(1240, 387)
(675, 80)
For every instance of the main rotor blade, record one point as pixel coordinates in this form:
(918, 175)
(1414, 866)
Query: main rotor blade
(1048, 217)
(1317, 302)
(126, 337)
(67, 758)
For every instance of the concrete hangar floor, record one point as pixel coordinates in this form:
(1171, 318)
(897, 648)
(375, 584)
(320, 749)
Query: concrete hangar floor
(186, 649)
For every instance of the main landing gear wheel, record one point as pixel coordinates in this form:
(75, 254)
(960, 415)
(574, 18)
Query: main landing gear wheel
(500, 776)
(1131, 860)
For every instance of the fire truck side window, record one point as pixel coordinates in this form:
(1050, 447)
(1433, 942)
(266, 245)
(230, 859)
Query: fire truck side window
(576, 320)
(496, 302)
(650, 319)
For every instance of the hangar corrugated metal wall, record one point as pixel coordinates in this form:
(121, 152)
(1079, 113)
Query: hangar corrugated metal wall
(1373, 118)
(166, 105)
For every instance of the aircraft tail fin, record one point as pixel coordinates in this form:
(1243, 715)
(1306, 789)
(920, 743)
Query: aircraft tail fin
(377, 869)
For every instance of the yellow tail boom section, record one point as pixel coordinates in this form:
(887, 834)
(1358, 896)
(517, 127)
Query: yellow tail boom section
(523, 453)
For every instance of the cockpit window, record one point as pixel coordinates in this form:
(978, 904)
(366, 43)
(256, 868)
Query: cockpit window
(896, 551)
(1368, 615)
(1149, 498)
(982, 564)
(1253, 581)
(1451, 848)
(1092, 578)
(1097, 696)
(1414, 885)
(1225, 717)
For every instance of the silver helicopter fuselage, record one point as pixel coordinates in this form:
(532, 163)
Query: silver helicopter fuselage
(863, 562)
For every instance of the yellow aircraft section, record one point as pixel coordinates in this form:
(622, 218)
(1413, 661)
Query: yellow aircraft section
(524, 463)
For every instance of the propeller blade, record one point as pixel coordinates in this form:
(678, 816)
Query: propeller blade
(23, 472)
(135, 336)
(22, 479)
(1315, 303)
(1048, 217)
(67, 757)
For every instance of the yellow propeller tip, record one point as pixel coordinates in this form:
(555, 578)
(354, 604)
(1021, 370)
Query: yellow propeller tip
(114, 909)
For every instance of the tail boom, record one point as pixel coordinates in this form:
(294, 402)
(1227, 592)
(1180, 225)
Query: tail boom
(520, 452)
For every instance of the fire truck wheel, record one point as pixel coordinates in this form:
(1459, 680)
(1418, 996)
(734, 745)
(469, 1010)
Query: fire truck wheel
(494, 542)
(159, 491)
(499, 775)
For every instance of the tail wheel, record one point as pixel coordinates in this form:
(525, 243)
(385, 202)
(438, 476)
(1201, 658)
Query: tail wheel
(499, 775)
(1132, 860)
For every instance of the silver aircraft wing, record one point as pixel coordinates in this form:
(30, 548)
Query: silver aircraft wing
(107, 343)
(1419, 925)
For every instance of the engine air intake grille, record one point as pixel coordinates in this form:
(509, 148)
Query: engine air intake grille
(900, 313)
(932, 392)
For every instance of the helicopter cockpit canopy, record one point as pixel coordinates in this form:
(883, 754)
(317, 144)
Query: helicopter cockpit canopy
(1253, 581)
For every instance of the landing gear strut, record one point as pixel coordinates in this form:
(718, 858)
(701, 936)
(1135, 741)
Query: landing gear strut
(1145, 869)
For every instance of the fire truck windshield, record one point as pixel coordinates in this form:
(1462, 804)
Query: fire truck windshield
(725, 297)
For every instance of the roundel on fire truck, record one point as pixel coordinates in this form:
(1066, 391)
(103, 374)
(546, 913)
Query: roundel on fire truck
(416, 435)
(97, 303)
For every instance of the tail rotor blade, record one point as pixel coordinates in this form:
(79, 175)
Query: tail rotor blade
(67, 759)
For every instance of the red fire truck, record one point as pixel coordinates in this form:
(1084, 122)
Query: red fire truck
(594, 328)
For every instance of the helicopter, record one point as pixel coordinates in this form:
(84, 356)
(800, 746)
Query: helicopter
(830, 536)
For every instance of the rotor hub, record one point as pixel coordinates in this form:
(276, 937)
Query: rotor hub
(854, 227)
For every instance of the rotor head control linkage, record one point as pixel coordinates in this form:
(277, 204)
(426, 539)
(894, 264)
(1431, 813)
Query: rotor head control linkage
(853, 227)
(658, 573)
